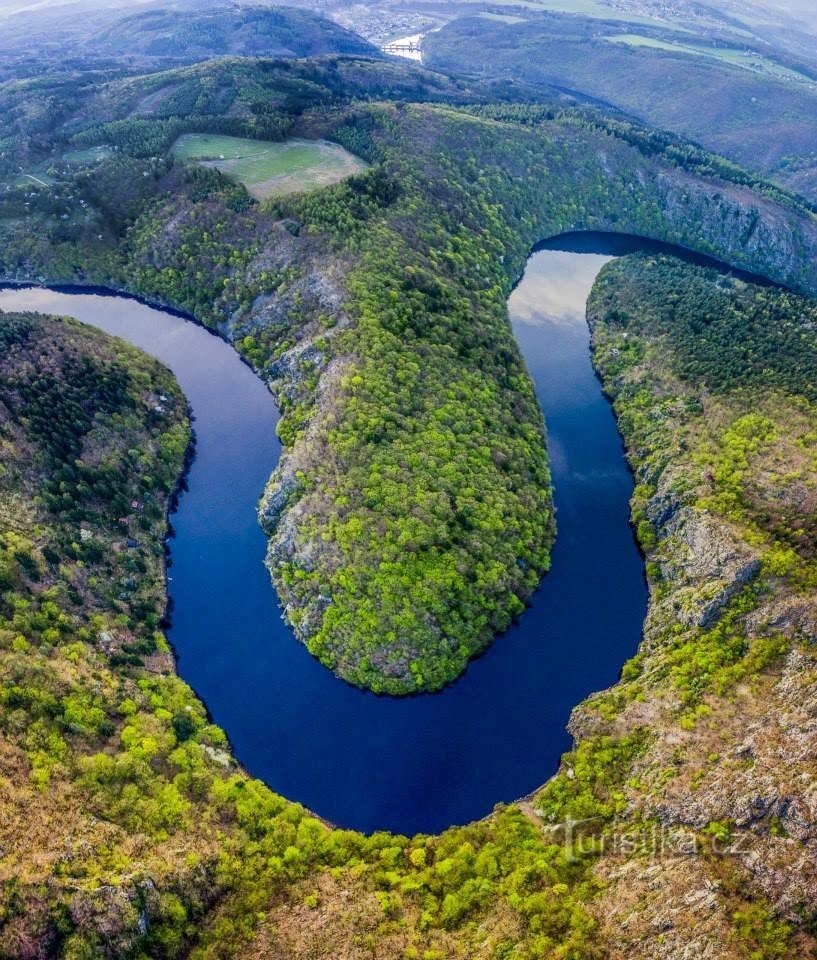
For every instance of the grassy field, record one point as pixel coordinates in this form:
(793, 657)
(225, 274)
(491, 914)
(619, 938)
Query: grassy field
(37, 179)
(597, 8)
(87, 156)
(271, 169)
(46, 174)
(501, 17)
(588, 8)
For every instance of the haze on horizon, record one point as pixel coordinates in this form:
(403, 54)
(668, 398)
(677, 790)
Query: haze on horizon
(8, 7)
(806, 10)
(803, 10)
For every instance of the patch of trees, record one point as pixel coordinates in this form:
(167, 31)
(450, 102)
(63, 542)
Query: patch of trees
(649, 141)
(438, 515)
(724, 333)
(88, 719)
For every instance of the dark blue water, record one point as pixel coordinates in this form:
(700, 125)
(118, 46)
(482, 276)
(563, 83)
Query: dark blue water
(360, 761)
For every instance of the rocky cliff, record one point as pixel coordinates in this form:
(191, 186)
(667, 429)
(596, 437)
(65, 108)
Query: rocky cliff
(707, 838)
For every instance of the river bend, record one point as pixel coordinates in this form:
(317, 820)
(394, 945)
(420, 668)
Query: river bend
(422, 763)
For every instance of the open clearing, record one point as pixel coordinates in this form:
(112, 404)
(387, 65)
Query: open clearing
(270, 169)
(88, 156)
(597, 8)
(34, 180)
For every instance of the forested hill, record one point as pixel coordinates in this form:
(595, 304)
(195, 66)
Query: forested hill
(731, 93)
(163, 35)
(170, 37)
(376, 311)
(128, 831)
(713, 386)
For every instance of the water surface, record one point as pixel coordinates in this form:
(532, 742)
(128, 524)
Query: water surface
(423, 763)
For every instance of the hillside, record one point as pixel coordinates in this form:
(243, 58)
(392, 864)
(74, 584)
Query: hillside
(777, 27)
(169, 37)
(414, 494)
(126, 827)
(72, 37)
(712, 382)
(733, 95)
(690, 777)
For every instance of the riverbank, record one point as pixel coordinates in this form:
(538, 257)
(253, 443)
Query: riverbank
(435, 760)
(147, 838)
(703, 750)
(695, 746)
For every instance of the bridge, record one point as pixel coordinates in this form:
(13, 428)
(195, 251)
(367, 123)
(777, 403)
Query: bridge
(401, 47)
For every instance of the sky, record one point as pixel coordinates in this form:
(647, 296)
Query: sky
(16, 6)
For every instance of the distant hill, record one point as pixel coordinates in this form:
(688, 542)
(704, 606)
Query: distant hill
(182, 36)
(80, 35)
(754, 104)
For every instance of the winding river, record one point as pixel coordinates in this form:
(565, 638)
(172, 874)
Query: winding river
(361, 761)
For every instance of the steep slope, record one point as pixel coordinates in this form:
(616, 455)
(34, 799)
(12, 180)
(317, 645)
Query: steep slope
(176, 36)
(376, 311)
(126, 828)
(681, 825)
(713, 384)
(733, 96)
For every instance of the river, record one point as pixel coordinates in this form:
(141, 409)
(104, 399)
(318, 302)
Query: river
(422, 763)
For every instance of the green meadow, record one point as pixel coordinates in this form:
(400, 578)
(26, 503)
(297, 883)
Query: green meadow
(270, 169)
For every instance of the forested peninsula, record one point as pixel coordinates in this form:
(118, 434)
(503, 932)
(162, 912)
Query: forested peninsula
(410, 517)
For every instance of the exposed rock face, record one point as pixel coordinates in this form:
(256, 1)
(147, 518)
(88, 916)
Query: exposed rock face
(762, 788)
(292, 302)
(709, 564)
(740, 225)
(706, 564)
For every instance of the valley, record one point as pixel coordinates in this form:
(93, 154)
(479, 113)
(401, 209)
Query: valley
(393, 552)
(693, 606)
(430, 576)
(731, 95)
(435, 760)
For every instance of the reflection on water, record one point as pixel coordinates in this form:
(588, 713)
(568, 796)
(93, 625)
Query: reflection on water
(555, 292)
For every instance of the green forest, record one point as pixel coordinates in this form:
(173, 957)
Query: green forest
(117, 771)
(420, 474)
(106, 742)
(759, 97)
